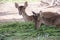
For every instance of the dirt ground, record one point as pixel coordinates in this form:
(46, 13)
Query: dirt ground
(8, 12)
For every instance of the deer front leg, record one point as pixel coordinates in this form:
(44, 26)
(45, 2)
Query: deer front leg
(37, 24)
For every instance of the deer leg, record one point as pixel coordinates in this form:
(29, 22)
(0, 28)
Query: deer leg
(37, 24)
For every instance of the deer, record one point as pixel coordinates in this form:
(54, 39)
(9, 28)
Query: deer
(49, 18)
(34, 17)
(22, 12)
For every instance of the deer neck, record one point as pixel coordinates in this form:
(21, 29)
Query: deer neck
(25, 16)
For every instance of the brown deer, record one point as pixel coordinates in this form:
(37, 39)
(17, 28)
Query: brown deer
(49, 18)
(22, 12)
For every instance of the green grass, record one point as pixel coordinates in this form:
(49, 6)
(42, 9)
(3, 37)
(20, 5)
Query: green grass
(26, 31)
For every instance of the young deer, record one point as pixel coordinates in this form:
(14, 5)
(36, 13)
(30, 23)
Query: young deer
(22, 12)
(49, 18)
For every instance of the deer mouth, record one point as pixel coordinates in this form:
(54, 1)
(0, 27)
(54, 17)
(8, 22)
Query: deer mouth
(20, 13)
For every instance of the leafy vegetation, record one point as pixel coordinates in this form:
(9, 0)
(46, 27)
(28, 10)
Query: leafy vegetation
(26, 31)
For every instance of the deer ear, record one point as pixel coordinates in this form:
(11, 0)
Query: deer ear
(33, 12)
(16, 5)
(40, 12)
(26, 4)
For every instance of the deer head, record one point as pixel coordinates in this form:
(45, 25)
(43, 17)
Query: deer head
(21, 9)
(36, 16)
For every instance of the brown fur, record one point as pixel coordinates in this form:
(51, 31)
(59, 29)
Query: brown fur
(48, 18)
(22, 12)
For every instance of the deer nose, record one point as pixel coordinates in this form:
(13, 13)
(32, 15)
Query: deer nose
(20, 13)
